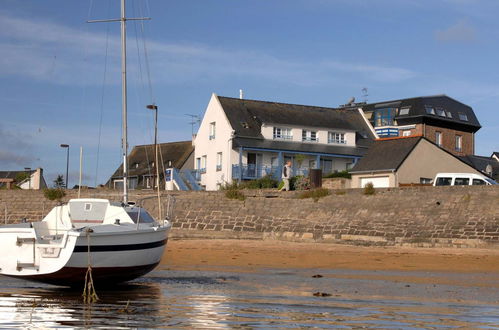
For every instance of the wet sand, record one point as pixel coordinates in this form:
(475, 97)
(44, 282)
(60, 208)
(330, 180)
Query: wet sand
(251, 255)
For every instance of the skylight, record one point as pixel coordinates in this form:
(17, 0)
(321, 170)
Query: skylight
(404, 111)
(463, 116)
(440, 112)
(449, 114)
(430, 110)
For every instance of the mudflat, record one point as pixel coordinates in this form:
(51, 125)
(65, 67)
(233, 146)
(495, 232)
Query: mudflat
(249, 255)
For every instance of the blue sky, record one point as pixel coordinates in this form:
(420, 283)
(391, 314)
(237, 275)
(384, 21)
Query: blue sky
(57, 85)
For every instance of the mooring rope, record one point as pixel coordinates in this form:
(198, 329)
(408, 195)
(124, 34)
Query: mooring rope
(89, 294)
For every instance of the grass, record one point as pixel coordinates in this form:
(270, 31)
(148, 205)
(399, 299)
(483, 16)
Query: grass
(315, 194)
(235, 194)
(54, 194)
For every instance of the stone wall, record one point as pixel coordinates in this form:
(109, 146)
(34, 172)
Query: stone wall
(416, 216)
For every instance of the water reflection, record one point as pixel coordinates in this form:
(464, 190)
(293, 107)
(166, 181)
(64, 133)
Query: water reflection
(222, 300)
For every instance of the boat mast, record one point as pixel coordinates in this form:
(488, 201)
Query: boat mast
(124, 103)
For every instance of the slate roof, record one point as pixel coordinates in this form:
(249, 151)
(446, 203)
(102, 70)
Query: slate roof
(13, 174)
(386, 155)
(417, 112)
(141, 157)
(480, 163)
(247, 116)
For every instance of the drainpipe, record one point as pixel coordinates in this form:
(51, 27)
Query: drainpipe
(229, 149)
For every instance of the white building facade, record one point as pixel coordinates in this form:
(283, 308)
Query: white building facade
(246, 139)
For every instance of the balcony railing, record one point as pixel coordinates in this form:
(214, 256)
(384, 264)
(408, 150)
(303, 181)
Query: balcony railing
(251, 171)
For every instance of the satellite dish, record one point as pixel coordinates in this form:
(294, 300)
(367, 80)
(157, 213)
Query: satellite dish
(351, 100)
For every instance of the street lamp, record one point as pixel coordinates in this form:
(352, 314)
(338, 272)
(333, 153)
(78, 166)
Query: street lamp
(67, 162)
(156, 172)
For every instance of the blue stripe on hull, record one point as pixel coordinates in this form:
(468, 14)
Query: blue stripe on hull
(123, 247)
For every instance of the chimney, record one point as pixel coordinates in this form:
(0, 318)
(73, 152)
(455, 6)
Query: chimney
(241, 95)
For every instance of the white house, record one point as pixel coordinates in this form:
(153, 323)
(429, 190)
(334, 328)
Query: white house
(242, 139)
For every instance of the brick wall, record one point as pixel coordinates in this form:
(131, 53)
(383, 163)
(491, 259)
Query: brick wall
(421, 216)
(449, 139)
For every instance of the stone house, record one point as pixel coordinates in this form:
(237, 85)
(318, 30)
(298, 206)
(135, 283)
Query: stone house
(393, 161)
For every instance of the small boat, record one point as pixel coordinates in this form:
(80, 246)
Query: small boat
(119, 241)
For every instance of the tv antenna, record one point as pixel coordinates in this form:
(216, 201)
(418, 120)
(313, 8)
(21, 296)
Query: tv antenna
(364, 94)
(195, 120)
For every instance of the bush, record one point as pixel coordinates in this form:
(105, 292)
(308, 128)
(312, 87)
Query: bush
(235, 194)
(369, 189)
(315, 194)
(54, 194)
(262, 183)
(341, 174)
(301, 183)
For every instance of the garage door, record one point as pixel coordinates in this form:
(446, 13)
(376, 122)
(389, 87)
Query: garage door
(378, 182)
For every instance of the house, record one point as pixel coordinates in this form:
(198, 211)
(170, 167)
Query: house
(487, 165)
(27, 179)
(391, 162)
(241, 139)
(446, 122)
(141, 171)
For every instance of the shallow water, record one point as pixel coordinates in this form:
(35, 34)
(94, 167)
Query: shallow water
(229, 298)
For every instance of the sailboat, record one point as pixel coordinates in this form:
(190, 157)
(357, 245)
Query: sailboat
(120, 241)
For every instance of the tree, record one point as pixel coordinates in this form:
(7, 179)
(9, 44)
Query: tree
(59, 182)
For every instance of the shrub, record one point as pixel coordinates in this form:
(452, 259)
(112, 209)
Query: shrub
(301, 183)
(54, 194)
(369, 189)
(235, 194)
(315, 194)
(341, 174)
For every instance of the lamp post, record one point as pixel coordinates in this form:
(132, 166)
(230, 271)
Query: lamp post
(156, 172)
(67, 162)
(27, 170)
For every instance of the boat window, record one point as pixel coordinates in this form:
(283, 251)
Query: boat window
(88, 207)
(461, 181)
(140, 215)
(445, 181)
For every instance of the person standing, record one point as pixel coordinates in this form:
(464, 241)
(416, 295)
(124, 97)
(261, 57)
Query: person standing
(286, 175)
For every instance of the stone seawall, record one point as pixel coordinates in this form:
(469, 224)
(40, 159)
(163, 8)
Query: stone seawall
(419, 216)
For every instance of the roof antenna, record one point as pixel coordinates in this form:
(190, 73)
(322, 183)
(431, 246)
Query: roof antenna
(241, 95)
(195, 120)
(364, 94)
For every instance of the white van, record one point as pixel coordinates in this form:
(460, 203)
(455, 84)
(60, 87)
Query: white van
(462, 179)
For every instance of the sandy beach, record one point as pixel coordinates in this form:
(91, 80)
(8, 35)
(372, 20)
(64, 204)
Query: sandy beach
(252, 254)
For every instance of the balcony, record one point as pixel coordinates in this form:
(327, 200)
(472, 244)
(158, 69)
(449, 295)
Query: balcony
(252, 171)
(387, 131)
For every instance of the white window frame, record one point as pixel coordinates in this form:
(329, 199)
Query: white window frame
(459, 143)
(309, 136)
(336, 137)
(438, 138)
(219, 161)
(213, 128)
(406, 132)
(282, 133)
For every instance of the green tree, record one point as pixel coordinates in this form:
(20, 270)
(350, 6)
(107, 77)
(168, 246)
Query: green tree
(59, 182)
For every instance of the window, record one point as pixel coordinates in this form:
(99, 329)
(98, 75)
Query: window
(430, 110)
(463, 116)
(384, 116)
(219, 161)
(282, 133)
(198, 163)
(443, 181)
(461, 181)
(309, 136)
(406, 133)
(449, 114)
(202, 167)
(440, 112)
(478, 182)
(459, 143)
(404, 111)
(438, 138)
(212, 130)
(425, 180)
(335, 137)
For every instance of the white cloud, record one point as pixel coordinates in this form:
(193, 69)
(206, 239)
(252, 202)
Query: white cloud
(47, 51)
(461, 31)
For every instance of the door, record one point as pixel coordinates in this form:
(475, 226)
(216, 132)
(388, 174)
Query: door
(252, 162)
(378, 182)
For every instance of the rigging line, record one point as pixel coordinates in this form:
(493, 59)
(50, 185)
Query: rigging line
(146, 55)
(102, 100)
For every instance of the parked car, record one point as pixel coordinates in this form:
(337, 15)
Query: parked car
(462, 179)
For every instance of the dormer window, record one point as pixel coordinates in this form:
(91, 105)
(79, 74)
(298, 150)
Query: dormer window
(440, 112)
(404, 111)
(430, 110)
(309, 136)
(336, 137)
(463, 116)
(281, 133)
(212, 130)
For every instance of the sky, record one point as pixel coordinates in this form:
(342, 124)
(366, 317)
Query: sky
(60, 76)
